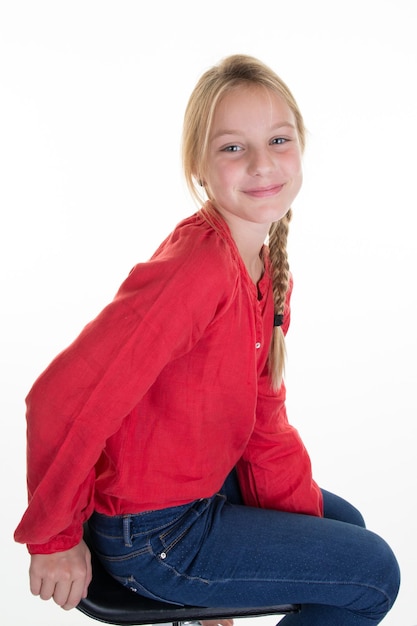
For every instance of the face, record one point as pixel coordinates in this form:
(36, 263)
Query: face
(253, 169)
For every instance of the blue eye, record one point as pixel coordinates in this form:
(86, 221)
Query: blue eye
(279, 141)
(231, 148)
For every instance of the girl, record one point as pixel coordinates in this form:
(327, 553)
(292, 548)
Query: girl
(164, 423)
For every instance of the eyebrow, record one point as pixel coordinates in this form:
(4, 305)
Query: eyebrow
(222, 132)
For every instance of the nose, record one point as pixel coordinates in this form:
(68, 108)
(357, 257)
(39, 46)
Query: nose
(260, 162)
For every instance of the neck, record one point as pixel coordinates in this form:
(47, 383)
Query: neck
(249, 239)
(254, 267)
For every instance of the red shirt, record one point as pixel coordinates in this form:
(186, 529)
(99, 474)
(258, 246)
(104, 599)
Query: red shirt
(162, 395)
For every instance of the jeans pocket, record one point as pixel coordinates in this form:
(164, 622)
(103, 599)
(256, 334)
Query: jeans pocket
(181, 539)
(172, 536)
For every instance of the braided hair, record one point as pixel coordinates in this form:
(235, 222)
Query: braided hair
(278, 235)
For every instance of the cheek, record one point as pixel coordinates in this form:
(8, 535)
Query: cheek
(295, 169)
(221, 178)
(295, 173)
(300, 176)
(295, 162)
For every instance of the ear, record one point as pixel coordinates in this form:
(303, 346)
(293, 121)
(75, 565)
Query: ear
(199, 178)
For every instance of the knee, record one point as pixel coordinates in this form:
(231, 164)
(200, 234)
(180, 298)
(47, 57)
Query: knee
(354, 516)
(338, 508)
(394, 575)
(387, 572)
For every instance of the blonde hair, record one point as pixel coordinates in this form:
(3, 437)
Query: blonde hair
(231, 72)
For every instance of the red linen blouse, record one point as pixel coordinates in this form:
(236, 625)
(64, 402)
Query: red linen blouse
(162, 395)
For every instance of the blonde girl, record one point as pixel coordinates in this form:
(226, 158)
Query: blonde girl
(164, 423)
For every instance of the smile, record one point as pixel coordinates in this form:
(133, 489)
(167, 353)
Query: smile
(264, 192)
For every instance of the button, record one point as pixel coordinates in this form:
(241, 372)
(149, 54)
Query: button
(257, 345)
(163, 555)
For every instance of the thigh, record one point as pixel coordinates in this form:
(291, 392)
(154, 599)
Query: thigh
(265, 556)
(339, 571)
(337, 508)
(216, 553)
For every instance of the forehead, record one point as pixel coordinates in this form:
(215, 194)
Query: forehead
(252, 103)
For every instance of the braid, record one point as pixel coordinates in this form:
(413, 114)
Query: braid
(278, 235)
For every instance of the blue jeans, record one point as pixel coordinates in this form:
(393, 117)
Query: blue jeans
(218, 552)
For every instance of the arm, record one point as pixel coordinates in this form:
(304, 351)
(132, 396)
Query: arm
(275, 469)
(63, 576)
(83, 397)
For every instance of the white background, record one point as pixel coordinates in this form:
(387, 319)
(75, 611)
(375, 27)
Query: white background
(92, 95)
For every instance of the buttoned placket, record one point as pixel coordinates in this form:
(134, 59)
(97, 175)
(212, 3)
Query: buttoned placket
(258, 327)
(258, 304)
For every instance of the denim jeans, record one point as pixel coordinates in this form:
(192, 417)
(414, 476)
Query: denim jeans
(218, 552)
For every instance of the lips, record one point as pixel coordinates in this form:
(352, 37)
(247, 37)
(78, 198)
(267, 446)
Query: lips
(264, 192)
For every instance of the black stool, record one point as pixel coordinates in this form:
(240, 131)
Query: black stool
(109, 602)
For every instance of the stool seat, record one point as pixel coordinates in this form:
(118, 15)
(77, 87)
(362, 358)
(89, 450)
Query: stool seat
(111, 603)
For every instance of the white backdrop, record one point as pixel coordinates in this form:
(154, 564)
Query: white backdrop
(92, 95)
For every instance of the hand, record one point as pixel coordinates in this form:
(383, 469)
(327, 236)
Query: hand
(63, 576)
(215, 622)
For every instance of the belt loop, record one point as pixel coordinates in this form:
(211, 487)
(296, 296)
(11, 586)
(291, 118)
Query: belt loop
(127, 537)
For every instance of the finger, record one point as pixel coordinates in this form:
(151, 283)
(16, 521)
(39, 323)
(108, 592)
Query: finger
(89, 575)
(35, 583)
(61, 592)
(74, 596)
(47, 589)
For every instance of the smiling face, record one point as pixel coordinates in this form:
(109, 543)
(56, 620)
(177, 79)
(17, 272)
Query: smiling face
(253, 167)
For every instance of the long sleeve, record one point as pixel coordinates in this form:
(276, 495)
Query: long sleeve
(82, 398)
(275, 469)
